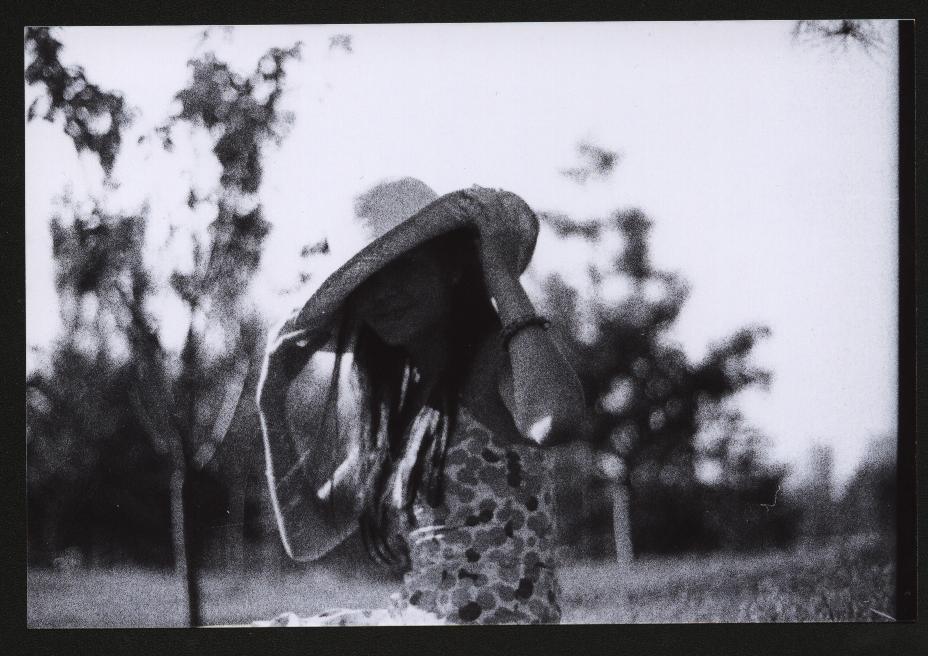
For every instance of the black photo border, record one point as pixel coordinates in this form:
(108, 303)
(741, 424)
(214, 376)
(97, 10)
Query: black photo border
(818, 638)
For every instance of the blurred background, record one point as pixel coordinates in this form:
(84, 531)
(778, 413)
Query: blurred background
(718, 254)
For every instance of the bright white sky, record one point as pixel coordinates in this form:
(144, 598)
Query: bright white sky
(769, 169)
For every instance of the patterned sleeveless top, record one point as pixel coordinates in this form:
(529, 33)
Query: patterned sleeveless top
(486, 554)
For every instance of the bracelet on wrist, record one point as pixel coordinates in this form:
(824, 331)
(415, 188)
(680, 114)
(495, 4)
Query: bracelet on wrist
(513, 328)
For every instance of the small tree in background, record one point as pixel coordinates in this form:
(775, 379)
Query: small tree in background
(647, 397)
(94, 119)
(242, 115)
(185, 405)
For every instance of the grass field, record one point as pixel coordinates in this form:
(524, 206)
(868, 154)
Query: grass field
(849, 581)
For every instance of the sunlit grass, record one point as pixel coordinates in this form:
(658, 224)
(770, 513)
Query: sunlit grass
(853, 581)
(849, 581)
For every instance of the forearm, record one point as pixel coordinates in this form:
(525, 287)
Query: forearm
(547, 396)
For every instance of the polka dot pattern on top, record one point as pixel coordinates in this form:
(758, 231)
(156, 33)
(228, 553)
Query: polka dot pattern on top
(486, 554)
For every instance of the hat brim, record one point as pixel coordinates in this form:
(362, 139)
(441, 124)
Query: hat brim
(447, 213)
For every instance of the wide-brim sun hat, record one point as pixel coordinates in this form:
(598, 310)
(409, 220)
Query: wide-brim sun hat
(400, 216)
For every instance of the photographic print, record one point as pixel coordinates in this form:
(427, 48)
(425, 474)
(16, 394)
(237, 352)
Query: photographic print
(443, 324)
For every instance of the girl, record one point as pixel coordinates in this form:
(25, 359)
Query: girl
(460, 387)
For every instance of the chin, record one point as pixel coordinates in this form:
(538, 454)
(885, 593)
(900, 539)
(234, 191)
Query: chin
(404, 331)
(394, 340)
(393, 335)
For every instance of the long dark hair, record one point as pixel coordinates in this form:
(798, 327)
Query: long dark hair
(392, 427)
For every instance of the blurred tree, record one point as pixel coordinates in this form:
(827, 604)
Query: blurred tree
(80, 406)
(241, 114)
(745, 505)
(103, 284)
(67, 410)
(94, 481)
(185, 406)
(647, 396)
(868, 503)
(93, 118)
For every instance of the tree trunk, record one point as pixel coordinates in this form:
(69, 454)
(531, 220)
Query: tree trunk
(621, 524)
(178, 541)
(154, 402)
(181, 545)
(586, 492)
(234, 530)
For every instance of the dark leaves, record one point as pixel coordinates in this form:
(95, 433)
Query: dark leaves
(186, 287)
(242, 116)
(241, 111)
(30, 113)
(164, 133)
(635, 227)
(93, 118)
(340, 42)
(94, 253)
(597, 163)
(564, 226)
(319, 248)
(844, 33)
(726, 369)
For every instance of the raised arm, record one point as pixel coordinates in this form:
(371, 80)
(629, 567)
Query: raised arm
(313, 516)
(537, 384)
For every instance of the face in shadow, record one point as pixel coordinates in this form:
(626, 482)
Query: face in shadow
(409, 299)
